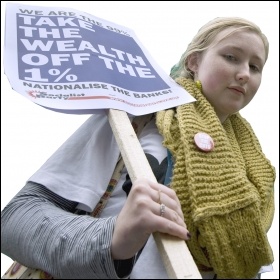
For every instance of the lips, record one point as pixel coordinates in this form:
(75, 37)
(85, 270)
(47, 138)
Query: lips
(237, 88)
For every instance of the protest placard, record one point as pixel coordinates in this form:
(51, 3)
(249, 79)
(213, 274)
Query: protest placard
(73, 62)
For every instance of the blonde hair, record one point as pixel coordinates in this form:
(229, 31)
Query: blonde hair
(206, 35)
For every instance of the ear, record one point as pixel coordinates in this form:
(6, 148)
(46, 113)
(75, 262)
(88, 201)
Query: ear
(192, 62)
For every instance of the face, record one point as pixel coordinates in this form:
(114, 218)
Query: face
(230, 70)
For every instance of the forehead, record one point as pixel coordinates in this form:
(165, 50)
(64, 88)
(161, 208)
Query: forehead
(243, 39)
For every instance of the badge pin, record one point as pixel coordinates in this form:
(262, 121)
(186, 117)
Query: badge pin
(204, 142)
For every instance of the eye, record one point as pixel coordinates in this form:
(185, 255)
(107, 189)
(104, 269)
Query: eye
(230, 57)
(254, 68)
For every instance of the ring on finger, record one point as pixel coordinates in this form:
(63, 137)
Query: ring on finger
(162, 209)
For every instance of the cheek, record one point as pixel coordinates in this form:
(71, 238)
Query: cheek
(256, 85)
(215, 79)
(253, 86)
(250, 96)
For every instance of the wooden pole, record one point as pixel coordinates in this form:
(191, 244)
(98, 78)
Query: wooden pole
(175, 254)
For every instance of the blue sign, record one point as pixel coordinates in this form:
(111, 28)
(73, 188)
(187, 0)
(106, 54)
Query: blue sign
(70, 61)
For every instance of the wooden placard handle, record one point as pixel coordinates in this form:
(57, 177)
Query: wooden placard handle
(174, 252)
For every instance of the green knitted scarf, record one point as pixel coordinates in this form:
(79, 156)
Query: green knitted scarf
(226, 194)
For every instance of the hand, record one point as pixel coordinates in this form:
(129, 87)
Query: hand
(140, 217)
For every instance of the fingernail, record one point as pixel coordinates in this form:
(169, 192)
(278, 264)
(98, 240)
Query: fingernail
(189, 235)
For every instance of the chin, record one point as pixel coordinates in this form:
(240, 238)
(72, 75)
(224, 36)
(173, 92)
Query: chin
(235, 109)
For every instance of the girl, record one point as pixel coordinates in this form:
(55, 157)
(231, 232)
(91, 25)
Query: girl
(220, 198)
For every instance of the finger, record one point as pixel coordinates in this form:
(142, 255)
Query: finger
(165, 212)
(170, 192)
(160, 197)
(164, 189)
(172, 228)
(157, 192)
(156, 187)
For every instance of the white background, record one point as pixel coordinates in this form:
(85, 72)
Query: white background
(30, 133)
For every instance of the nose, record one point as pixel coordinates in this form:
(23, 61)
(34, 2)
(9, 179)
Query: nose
(243, 74)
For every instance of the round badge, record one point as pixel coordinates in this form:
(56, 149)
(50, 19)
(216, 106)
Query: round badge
(204, 142)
